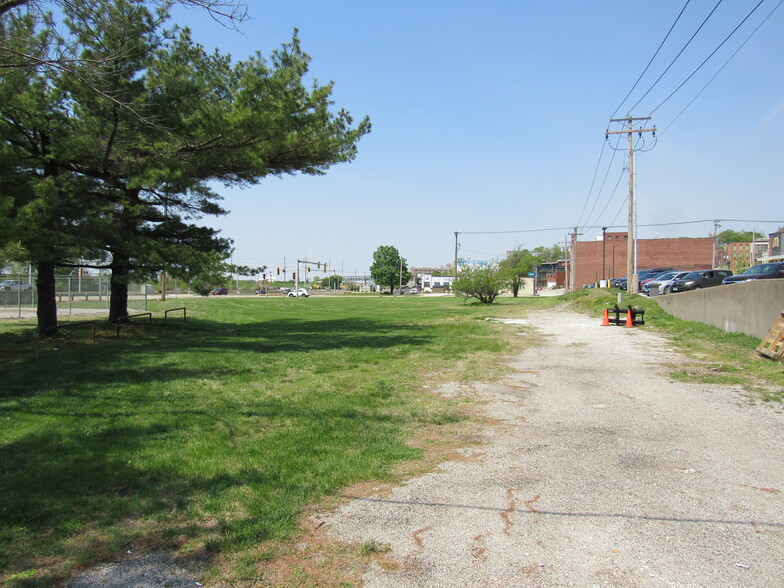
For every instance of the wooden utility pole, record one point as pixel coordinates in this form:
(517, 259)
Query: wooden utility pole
(632, 287)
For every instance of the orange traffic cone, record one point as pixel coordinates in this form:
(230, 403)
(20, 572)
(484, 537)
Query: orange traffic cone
(629, 319)
(606, 319)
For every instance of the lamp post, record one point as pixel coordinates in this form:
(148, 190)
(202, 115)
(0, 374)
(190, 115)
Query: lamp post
(612, 268)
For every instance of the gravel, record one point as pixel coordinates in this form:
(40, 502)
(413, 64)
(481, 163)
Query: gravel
(601, 471)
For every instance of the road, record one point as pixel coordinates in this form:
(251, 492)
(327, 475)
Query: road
(601, 471)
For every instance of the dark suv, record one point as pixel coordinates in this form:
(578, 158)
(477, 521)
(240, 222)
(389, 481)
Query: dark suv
(763, 271)
(699, 279)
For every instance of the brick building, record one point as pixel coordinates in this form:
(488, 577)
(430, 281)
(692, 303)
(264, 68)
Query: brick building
(738, 255)
(682, 253)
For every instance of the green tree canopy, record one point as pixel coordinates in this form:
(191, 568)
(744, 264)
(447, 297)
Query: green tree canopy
(516, 267)
(730, 236)
(484, 283)
(389, 269)
(118, 154)
(548, 254)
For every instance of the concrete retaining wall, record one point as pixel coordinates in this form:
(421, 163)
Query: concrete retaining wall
(748, 307)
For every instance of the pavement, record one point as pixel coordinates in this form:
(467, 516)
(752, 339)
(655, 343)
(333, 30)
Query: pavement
(599, 471)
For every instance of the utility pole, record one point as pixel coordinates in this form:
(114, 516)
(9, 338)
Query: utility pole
(632, 287)
(456, 234)
(567, 254)
(716, 226)
(573, 256)
(604, 251)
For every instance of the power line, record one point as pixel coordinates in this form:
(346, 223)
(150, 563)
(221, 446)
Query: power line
(588, 197)
(677, 56)
(727, 38)
(652, 58)
(618, 183)
(731, 57)
(510, 232)
(604, 181)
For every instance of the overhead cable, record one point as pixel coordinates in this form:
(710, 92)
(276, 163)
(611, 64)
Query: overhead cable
(652, 58)
(588, 197)
(677, 56)
(727, 38)
(710, 81)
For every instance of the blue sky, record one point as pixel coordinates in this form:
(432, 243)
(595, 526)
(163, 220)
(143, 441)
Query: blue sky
(490, 117)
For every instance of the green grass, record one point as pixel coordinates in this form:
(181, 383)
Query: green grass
(214, 434)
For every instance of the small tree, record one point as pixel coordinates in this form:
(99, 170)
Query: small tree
(482, 283)
(517, 266)
(389, 268)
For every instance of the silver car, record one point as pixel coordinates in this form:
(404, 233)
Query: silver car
(662, 284)
(15, 285)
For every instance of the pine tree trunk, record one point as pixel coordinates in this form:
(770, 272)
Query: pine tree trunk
(47, 299)
(118, 300)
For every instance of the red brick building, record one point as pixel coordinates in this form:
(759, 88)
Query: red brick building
(682, 253)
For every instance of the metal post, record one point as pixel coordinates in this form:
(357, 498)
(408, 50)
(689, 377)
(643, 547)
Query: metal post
(456, 234)
(604, 251)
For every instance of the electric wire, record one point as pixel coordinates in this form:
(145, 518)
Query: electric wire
(604, 181)
(588, 197)
(652, 58)
(677, 56)
(609, 200)
(623, 205)
(727, 38)
(731, 57)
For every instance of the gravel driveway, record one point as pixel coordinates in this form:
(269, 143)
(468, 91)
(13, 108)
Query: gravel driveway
(602, 472)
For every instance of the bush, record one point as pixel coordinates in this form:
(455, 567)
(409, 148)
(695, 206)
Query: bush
(482, 283)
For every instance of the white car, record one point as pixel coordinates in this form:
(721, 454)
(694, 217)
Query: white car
(665, 283)
(15, 285)
(300, 292)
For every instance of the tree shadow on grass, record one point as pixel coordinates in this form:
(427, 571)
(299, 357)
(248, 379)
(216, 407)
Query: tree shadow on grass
(135, 357)
(88, 426)
(78, 491)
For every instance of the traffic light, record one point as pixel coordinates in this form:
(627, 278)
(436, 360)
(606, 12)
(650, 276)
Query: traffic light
(318, 265)
(278, 271)
(293, 275)
(308, 268)
(263, 276)
(325, 267)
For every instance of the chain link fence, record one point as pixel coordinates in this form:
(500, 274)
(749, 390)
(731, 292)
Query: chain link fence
(18, 291)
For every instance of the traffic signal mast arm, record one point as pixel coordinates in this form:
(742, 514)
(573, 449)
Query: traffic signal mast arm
(299, 261)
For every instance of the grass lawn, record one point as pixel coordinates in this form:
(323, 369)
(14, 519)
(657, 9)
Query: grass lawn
(213, 435)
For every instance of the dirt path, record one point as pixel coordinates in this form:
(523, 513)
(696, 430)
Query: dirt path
(602, 472)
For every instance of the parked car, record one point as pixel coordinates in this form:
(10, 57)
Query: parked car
(663, 282)
(762, 271)
(414, 290)
(699, 279)
(260, 291)
(15, 285)
(301, 292)
(220, 291)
